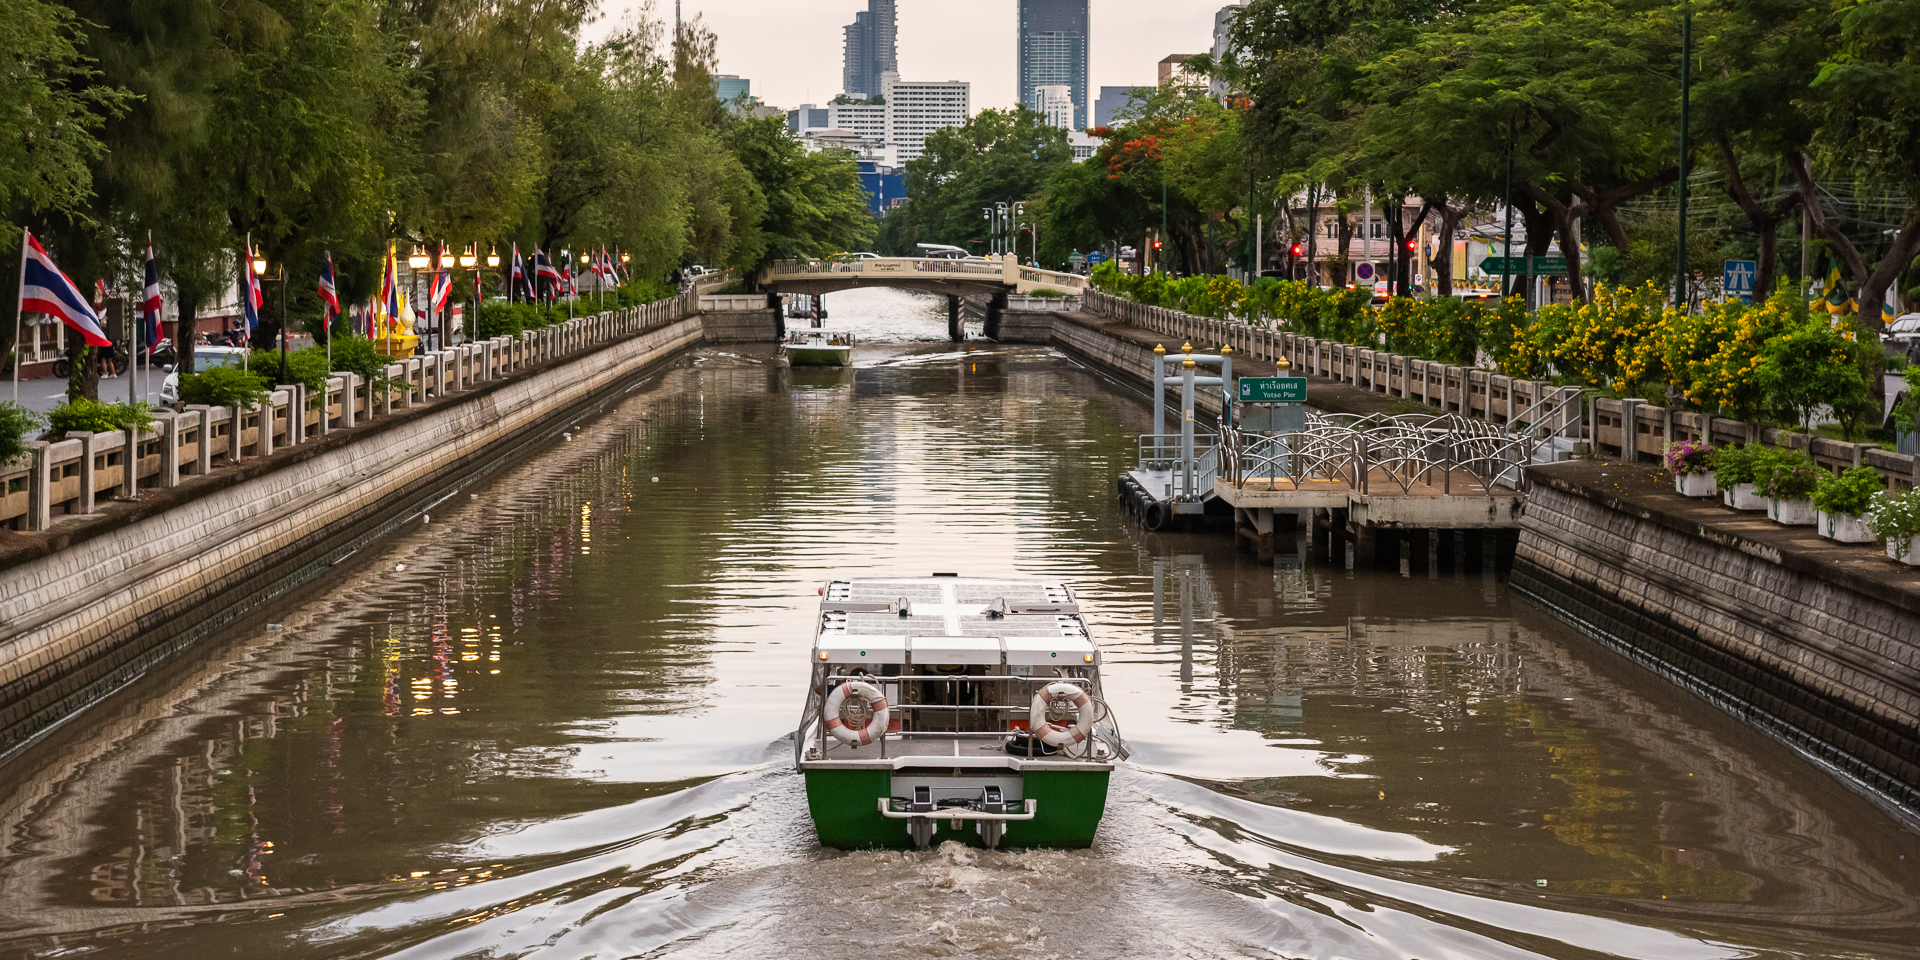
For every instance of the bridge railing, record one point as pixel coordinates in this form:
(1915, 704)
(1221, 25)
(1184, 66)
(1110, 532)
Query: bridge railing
(1005, 270)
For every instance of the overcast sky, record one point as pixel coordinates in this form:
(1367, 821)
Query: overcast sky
(791, 49)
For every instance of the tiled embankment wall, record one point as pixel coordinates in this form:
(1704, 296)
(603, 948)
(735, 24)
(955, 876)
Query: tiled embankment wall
(1821, 653)
(85, 618)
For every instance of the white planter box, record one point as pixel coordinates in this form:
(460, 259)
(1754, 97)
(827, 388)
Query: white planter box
(1844, 527)
(1695, 485)
(1740, 496)
(1906, 551)
(1792, 513)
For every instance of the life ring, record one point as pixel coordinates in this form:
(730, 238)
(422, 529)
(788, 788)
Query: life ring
(876, 701)
(1053, 733)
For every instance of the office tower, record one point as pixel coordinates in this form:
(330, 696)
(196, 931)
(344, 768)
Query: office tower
(870, 50)
(1053, 51)
(1055, 102)
(1111, 101)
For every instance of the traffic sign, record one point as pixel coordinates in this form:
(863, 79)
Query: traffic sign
(1540, 266)
(1737, 279)
(1273, 390)
(1096, 258)
(1076, 258)
(1363, 271)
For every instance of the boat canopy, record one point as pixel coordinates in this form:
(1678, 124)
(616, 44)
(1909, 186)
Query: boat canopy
(951, 621)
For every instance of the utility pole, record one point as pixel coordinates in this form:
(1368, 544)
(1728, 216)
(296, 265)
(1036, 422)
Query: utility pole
(1681, 296)
(1506, 202)
(1313, 227)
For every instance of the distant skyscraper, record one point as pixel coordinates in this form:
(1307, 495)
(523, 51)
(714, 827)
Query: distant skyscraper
(1110, 102)
(1053, 51)
(1055, 102)
(870, 50)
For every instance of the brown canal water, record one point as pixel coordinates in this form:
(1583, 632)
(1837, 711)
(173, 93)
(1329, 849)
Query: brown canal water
(551, 722)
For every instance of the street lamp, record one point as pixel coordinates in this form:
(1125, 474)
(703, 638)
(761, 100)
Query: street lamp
(260, 270)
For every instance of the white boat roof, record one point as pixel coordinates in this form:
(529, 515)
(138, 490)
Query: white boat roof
(952, 620)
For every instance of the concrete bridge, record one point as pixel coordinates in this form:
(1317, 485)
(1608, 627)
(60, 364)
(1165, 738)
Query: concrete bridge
(932, 274)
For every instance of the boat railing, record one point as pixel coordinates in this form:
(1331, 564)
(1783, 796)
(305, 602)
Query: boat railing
(814, 713)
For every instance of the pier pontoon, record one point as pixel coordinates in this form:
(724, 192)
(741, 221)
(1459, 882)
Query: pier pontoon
(949, 708)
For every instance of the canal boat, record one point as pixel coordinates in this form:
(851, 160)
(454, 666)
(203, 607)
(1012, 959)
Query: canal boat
(954, 708)
(810, 347)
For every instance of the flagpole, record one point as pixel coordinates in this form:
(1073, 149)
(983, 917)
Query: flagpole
(133, 338)
(246, 300)
(19, 300)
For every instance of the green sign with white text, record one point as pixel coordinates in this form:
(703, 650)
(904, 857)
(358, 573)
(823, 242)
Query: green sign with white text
(1517, 266)
(1273, 390)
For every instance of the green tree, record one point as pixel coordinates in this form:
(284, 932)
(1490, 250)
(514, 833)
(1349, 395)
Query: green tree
(997, 156)
(815, 204)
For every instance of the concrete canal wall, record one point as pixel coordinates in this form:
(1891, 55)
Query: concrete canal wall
(236, 507)
(1815, 642)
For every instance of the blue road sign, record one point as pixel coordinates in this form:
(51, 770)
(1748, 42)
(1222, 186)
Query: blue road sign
(1737, 281)
(1095, 258)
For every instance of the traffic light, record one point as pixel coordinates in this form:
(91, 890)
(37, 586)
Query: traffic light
(1156, 244)
(1299, 250)
(1412, 244)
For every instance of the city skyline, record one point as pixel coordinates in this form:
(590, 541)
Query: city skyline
(1054, 38)
(765, 41)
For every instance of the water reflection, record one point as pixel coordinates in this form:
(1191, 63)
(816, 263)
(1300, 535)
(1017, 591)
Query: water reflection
(547, 722)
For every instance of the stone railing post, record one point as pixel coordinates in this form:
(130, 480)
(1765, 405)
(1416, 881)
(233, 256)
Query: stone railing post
(169, 448)
(86, 468)
(1629, 429)
(131, 463)
(236, 433)
(263, 442)
(39, 485)
(349, 398)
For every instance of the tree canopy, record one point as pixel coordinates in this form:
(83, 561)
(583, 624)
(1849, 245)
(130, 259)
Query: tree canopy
(344, 126)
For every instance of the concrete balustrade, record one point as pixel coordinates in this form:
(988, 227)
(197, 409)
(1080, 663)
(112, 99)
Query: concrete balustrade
(1499, 398)
(70, 477)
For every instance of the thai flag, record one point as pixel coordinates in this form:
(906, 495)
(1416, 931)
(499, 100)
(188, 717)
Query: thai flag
(389, 291)
(519, 276)
(566, 281)
(151, 303)
(251, 299)
(329, 291)
(44, 289)
(442, 285)
(544, 270)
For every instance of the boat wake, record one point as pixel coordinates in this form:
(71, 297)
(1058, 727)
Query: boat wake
(729, 867)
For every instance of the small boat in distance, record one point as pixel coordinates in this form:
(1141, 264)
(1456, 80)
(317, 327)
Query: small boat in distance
(951, 708)
(810, 347)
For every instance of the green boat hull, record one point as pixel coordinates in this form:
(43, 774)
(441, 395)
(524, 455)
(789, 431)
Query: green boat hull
(845, 807)
(818, 356)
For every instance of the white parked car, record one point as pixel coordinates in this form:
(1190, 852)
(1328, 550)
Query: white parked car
(1904, 327)
(204, 358)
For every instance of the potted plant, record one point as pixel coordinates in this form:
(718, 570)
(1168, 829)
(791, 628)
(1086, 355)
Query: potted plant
(1691, 462)
(1786, 478)
(1733, 475)
(1842, 499)
(1895, 518)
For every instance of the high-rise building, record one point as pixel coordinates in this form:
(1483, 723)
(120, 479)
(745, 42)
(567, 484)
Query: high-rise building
(870, 50)
(1053, 51)
(1112, 100)
(1055, 102)
(1175, 63)
(730, 89)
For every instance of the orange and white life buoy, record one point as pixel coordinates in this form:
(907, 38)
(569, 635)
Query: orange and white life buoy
(1060, 735)
(837, 721)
